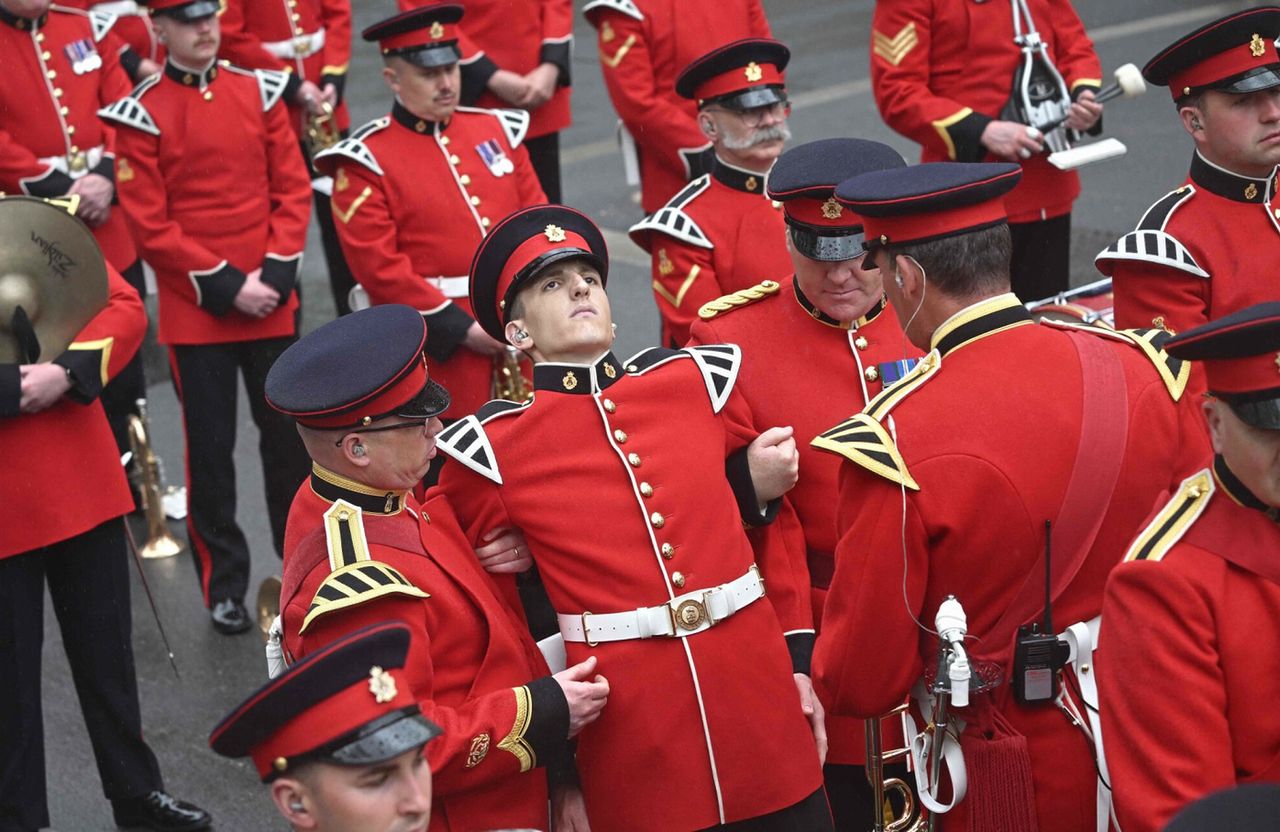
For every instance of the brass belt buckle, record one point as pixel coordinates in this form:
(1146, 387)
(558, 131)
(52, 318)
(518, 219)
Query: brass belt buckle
(586, 636)
(302, 46)
(691, 613)
(77, 161)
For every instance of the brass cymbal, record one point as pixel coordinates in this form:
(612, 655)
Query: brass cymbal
(51, 266)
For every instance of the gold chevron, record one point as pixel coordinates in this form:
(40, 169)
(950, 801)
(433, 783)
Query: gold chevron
(346, 215)
(613, 62)
(894, 49)
(677, 298)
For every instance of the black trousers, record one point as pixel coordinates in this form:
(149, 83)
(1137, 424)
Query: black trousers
(851, 796)
(205, 378)
(120, 397)
(340, 278)
(809, 815)
(1041, 264)
(88, 580)
(544, 153)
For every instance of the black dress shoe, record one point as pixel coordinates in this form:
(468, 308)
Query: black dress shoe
(230, 617)
(159, 812)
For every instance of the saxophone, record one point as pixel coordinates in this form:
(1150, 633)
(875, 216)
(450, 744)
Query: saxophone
(509, 382)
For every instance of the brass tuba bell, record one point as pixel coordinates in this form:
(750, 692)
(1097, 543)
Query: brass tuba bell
(322, 130)
(911, 819)
(160, 541)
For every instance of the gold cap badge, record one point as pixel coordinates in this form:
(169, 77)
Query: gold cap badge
(832, 209)
(752, 183)
(1257, 46)
(1251, 192)
(569, 381)
(555, 234)
(382, 685)
(753, 72)
(436, 31)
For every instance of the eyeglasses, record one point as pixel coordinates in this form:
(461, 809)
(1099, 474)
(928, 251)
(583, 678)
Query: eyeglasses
(753, 117)
(420, 424)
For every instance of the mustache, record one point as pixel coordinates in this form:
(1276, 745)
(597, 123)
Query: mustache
(777, 132)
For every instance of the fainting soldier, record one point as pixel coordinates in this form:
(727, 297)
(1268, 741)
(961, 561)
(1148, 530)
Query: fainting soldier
(65, 532)
(415, 191)
(632, 481)
(830, 314)
(309, 41)
(1191, 607)
(1005, 435)
(62, 65)
(224, 232)
(338, 738)
(721, 233)
(1202, 251)
(362, 548)
(943, 74)
(520, 55)
(644, 45)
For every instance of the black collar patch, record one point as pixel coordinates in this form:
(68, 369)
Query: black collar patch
(333, 487)
(740, 180)
(23, 24)
(407, 119)
(578, 378)
(1238, 491)
(999, 317)
(822, 317)
(1230, 185)
(188, 78)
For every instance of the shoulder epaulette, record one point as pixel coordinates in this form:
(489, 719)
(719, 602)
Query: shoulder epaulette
(889, 398)
(740, 298)
(101, 23)
(515, 123)
(627, 7)
(863, 441)
(1151, 243)
(130, 112)
(1174, 372)
(671, 218)
(354, 577)
(717, 363)
(354, 148)
(271, 83)
(467, 442)
(1172, 521)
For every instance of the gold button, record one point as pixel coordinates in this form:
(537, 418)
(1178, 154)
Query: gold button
(464, 179)
(39, 37)
(44, 56)
(634, 459)
(677, 579)
(453, 159)
(646, 490)
(475, 200)
(420, 126)
(658, 520)
(188, 78)
(860, 342)
(296, 17)
(872, 374)
(484, 221)
(444, 140)
(631, 368)
(64, 111)
(609, 405)
(1278, 213)
(620, 435)
(280, 764)
(75, 149)
(57, 93)
(668, 551)
(71, 129)
(51, 74)
(207, 95)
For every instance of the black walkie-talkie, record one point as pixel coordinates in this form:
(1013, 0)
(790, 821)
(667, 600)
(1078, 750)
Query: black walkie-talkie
(1038, 654)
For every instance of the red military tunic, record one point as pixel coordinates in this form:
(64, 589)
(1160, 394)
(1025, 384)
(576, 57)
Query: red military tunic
(215, 181)
(718, 235)
(309, 39)
(802, 368)
(616, 474)
(517, 37)
(59, 70)
(941, 71)
(75, 481)
(413, 199)
(1190, 656)
(987, 429)
(132, 27)
(644, 45)
(1199, 253)
(471, 661)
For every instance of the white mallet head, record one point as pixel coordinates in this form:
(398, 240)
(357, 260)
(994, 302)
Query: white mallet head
(1129, 77)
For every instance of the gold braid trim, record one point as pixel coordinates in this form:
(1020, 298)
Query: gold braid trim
(740, 298)
(514, 742)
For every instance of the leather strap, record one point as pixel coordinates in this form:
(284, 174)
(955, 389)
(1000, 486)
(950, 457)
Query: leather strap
(682, 616)
(1103, 439)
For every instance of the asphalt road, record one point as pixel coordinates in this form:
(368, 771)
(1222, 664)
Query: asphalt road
(828, 80)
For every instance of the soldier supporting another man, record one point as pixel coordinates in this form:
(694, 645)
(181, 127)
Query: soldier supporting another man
(219, 199)
(721, 233)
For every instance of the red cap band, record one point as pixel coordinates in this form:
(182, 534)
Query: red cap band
(1238, 59)
(1252, 374)
(738, 79)
(437, 34)
(378, 403)
(553, 237)
(938, 223)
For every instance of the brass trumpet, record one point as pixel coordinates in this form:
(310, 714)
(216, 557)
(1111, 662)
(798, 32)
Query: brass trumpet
(160, 541)
(509, 382)
(911, 820)
(322, 130)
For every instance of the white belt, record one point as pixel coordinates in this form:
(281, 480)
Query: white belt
(1082, 639)
(303, 46)
(77, 164)
(682, 616)
(118, 7)
(451, 287)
